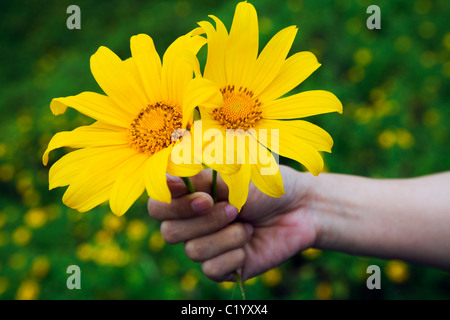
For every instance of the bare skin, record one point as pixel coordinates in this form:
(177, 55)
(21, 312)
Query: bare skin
(405, 219)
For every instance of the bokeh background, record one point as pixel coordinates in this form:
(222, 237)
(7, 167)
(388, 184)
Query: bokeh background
(393, 82)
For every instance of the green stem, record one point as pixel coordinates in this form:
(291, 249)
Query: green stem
(191, 189)
(188, 184)
(214, 186)
(240, 284)
(214, 196)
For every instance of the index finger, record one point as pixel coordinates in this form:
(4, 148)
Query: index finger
(184, 207)
(176, 186)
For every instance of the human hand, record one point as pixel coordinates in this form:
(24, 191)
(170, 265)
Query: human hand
(265, 233)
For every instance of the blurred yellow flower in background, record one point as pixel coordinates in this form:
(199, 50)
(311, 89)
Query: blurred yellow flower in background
(397, 271)
(136, 229)
(35, 218)
(324, 291)
(21, 236)
(272, 277)
(311, 253)
(156, 241)
(189, 281)
(40, 267)
(28, 290)
(112, 223)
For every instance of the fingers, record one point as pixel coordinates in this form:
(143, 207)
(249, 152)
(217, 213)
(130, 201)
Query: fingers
(207, 247)
(188, 206)
(221, 268)
(176, 186)
(179, 230)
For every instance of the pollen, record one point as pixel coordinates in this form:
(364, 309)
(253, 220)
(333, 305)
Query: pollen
(153, 129)
(240, 109)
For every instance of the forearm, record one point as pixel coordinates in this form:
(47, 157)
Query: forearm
(405, 219)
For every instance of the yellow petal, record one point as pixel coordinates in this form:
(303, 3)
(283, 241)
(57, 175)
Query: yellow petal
(129, 184)
(295, 70)
(238, 185)
(301, 105)
(271, 59)
(149, 65)
(93, 184)
(93, 105)
(269, 184)
(183, 170)
(295, 148)
(200, 91)
(132, 69)
(177, 71)
(155, 176)
(98, 192)
(70, 166)
(265, 172)
(304, 130)
(86, 136)
(215, 62)
(116, 81)
(214, 151)
(242, 45)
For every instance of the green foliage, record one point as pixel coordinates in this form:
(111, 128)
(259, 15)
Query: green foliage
(393, 82)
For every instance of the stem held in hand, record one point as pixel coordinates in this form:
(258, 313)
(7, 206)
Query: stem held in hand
(188, 184)
(214, 196)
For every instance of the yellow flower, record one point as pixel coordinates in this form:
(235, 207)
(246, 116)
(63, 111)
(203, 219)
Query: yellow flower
(127, 150)
(28, 290)
(251, 87)
(397, 271)
(272, 277)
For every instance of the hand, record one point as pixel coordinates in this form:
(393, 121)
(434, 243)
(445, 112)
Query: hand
(265, 233)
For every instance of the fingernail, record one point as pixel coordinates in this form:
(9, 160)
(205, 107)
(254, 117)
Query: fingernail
(249, 228)
(201, 204)
(231, 211)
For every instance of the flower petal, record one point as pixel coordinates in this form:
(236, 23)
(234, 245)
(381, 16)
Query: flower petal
(86, 136)
(293, 147)
(149, 65)
(301, 105)
(295, 70)
(310, 133)
(183, 170)
(116, 81)
(129, 184)
(65, 171)
(93, 185)
(200, 91)
(217, 39)
(238, 185)
(177, 71)
(242, 45)
(93, 105)
(272, 59)
(155, 176)
(269, 184)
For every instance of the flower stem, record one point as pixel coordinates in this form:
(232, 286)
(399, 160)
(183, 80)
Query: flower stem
(214, 196)
(240, 284)
(191, 189)
(188, 184)
(214, 186)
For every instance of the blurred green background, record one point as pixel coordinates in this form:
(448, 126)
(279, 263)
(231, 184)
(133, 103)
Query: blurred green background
(393, 82)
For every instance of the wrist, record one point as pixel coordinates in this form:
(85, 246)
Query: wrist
(330, 209)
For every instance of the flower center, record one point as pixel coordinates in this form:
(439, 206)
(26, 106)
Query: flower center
(239, 110)
(154, 128)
